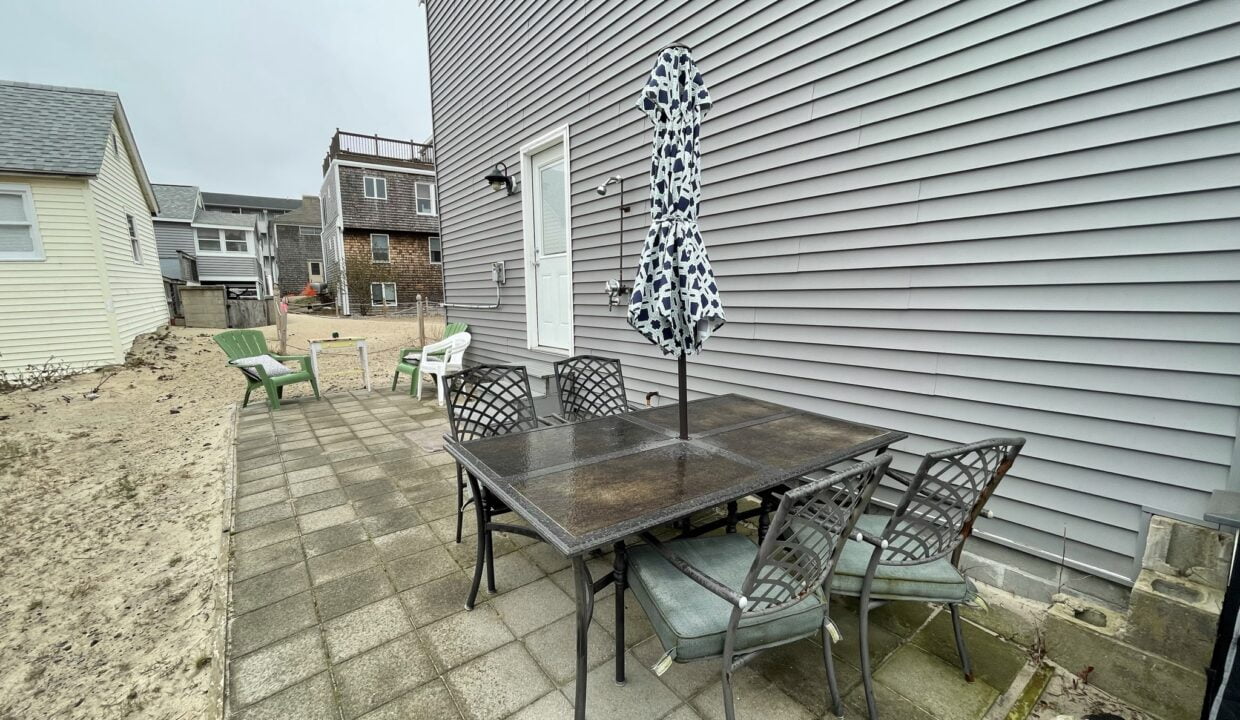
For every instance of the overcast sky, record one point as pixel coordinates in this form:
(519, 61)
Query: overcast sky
(234, 95)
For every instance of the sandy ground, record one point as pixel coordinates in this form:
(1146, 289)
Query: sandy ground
(112, 515)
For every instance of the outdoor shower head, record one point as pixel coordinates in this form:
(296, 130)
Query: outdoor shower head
(602, 189)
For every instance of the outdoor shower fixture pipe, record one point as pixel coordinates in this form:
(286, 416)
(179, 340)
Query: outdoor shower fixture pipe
(616, 289)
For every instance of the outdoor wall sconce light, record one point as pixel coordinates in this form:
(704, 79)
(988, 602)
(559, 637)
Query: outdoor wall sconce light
(500, 179)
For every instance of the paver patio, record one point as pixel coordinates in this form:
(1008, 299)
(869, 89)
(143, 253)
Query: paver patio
(347, 601)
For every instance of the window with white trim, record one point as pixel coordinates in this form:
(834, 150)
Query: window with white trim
(135, 246)
(425, 198)
(315, 268)
(380, 248)
(375, 188)
(436, 249)
(304, 231)
(215, 240)
(19, 231)
(382, 294)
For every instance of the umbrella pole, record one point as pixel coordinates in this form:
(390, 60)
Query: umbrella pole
(684, 396)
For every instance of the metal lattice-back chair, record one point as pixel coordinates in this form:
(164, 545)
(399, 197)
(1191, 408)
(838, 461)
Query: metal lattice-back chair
(723, 597)
(590, 386)
(484, 401)
(921, 541)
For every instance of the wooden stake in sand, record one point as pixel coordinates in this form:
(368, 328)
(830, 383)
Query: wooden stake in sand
(421, 324)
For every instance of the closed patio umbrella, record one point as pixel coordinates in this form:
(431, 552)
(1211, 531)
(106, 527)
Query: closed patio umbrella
(675, 301)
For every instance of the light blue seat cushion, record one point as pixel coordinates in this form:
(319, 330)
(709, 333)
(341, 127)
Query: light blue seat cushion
(937, 581)
(693, 620)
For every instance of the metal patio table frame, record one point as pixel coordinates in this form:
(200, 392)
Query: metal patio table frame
(562, 479)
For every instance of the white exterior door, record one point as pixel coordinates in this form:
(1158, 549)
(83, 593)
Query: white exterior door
(550, 224)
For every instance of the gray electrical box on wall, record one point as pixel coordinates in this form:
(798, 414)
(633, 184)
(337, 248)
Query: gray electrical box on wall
(497, 272)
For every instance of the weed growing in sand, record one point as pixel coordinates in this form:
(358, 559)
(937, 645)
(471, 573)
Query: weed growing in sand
(202, 662)
(174, 560)
(35, 376)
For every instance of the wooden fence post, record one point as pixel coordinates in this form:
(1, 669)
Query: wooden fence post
(421, 324)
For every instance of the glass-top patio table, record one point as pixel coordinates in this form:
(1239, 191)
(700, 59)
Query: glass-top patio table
(589, 485)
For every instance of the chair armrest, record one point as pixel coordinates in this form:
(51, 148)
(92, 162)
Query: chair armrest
(408, 351)
(731, 596)
(303, 359)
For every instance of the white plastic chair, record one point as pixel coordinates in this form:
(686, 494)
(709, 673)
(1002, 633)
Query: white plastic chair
(432, 363)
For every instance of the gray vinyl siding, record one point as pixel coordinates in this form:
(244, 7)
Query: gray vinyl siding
(244, 266)
(172, 237)
(956, 220)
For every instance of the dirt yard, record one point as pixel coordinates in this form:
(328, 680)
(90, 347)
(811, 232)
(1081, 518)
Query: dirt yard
(112, 517)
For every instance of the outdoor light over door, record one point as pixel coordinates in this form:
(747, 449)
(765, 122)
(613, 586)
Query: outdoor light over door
(499, 178)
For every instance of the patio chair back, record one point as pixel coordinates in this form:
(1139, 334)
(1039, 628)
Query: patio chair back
(590, 386)
(487, 400)
(242, 343)
(944, 498)
(454, 327)
(807, 535)
(451, 350)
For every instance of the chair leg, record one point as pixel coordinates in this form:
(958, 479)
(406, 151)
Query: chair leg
(490, 544)
(249, 388)
(439, 389)
(481, 557)
(395, 379)
(314, 385)
(960, 648)
(619, 574)
(417, 384)
(863, 637)
(729, 704)
(837, 702)
(273, 396)
(460, 502)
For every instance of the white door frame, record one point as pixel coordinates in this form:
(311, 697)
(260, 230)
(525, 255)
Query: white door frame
(559, 136)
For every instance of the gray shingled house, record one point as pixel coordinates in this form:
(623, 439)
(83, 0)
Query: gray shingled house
(299, 246)
(79, 271)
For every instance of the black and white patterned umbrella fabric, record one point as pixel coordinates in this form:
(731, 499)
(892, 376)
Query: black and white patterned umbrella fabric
(675, 301)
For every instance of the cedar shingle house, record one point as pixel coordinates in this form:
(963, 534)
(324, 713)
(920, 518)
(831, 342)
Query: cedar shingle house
(298, 239)
(380, 223)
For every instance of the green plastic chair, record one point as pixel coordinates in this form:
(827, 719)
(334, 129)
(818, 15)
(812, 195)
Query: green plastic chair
(239, 344)
(410, 367)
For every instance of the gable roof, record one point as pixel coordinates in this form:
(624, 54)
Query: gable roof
(307, 214)
(258, 202)
(176, 202)
(227, 219)
(48, 129)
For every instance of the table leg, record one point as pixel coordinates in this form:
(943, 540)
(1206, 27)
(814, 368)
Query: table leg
(585, 611)
(618, 574)
(314, 360)
(365, 358)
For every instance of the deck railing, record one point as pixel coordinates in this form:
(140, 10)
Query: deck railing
(378, 147)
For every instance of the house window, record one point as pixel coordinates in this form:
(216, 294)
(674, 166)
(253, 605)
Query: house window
(375, 187)
(316, 269)
(214, 240)
(234, 241)
(134, 245)
(19, 234)
(308, 231)
(380, 250)
(436, 248)
(425, 193)
(383, 293)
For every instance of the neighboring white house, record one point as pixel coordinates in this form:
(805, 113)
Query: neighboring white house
(79, 272)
